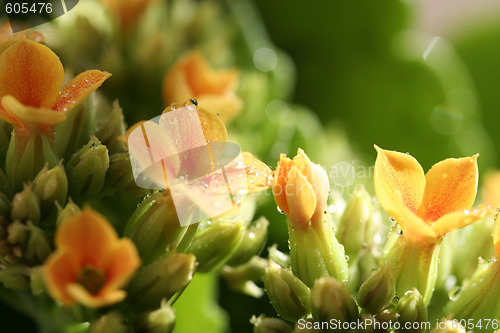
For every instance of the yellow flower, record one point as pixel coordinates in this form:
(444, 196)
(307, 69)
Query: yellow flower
(300, 189)
(427, 206)
(91, 263)
(31, 76)
(192, 77)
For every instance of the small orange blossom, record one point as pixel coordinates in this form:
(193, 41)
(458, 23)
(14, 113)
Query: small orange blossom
(91, 263)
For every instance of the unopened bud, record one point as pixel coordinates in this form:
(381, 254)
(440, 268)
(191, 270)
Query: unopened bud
(112, 127)
(252, 244)
(411, 309)
(15, 277)
(357, 223)
(154, 227)
(161, 279)
(216, 243)
(378, 290)
(278, 257)
(87, 169)
(17, 233)
(242, 278)
(69, 210)
(38, 247)
(111, 322)
(26, 205)
(263, 324)
(161, 320)
(332, 300)
(119, 174)
(290, 297)
(51, 186)
(37, 282)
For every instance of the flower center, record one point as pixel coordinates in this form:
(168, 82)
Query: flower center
(91, 279)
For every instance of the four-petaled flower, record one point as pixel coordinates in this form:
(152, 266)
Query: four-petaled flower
(427, 206)
(192, 77)
(91, 263)
(31, 76)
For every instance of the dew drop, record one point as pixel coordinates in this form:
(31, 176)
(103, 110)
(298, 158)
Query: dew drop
(279, 210)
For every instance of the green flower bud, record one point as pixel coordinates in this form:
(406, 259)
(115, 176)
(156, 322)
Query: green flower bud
(26, 157)
(51, 186)
(119, 174)
(37, 283)
(111, 322)
(161, 280)
(15, 277)
(411, 309)
(17, 233)
(478, 297)
(216, 242)
(262, 324)
(242, 278)
(331, 300)
(38, 247)
(278, 257)
(154, 226)
(113, 127)
(69, 210)
(252, 244)
(290, 297)
(161, 320)
(87, 169)
(26, 205)
(378, 290)
(358, 223)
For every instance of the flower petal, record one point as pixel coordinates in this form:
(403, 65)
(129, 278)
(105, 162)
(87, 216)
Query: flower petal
(32, 73)
(399, 181)
(413, 226)
(212, 126)
(82, 296)
(451, 185)
(279, 185)
(121, 265)
(491, 189)
(8, 117)
(227, 105)
(259, 175)
(88, 236)
(17, 113)
(76, 90)
(460, 219)
(301, 197)
(496, 239)
(60, 269)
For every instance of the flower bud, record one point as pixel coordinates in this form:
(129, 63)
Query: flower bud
(38, 247)
(278, 257)
(411, 309)
(111, 129)
(378, 290)
(161, 320)
(26, 158)
(262, 324)
(87, 169)
(242, 278)
(154, 227)
(332, 300)
(357, 225)
(69, 210)
(111, 322)
(17, 233)
(51, 186)
(26, 205)
(15, 277)
(216, 243)
(252, 244)
(37, 284)
(119, 174)
(161, 279)
(290, 297)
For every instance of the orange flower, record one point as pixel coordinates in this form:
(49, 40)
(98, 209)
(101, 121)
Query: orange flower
(91, 263)
(192, 77)
(30, 78)
(491, 189)
(427, 206)
(300, 189)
